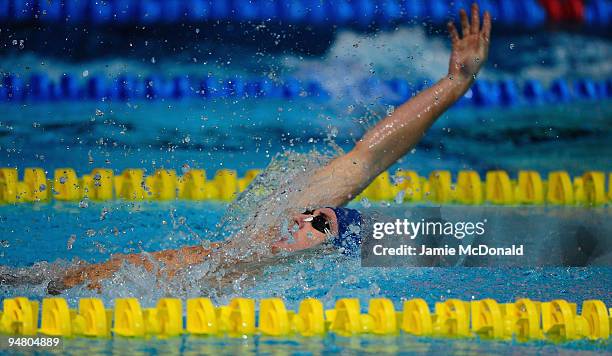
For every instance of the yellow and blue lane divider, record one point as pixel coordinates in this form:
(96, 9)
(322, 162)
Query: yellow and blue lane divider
(522, 320)
(102, 184)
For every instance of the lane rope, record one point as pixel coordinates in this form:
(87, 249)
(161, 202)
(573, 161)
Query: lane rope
(319, 13)
(468, 187)
(522, 320)
(38, 88)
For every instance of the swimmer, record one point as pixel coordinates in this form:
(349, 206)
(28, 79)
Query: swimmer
(336, 183)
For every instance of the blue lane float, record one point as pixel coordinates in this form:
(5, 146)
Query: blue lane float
(560, 91)
(508, 93)
(355, 13)
(38, 87)
(533, 91)
(598, 13)
(359, 13)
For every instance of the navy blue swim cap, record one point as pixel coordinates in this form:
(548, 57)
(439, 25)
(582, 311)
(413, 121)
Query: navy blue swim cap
(349, 230)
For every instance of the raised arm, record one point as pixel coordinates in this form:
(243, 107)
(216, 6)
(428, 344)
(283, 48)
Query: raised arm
(393, 137)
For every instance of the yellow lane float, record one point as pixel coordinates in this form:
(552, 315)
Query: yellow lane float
(133, 184)
(523, 320)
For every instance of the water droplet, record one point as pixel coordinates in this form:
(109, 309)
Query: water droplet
(70, 241)
(103, 214)
(365, 202)
(351, 279)
(399, 198)
(354, 229)
(100, 247)
(334, 131)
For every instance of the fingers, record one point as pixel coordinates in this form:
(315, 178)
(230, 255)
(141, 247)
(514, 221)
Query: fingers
(475, 26)
(452, 31)
(486, 27)
(465, 25)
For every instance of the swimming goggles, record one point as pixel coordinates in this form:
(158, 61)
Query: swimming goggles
(318, 222)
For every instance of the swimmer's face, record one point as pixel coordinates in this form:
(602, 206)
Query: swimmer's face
(304, 234)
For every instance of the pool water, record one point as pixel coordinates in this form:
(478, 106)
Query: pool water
(208, 135)
(328, 345)
(94, 232)
(245, 134)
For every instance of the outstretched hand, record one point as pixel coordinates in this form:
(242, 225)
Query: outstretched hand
(470, 50)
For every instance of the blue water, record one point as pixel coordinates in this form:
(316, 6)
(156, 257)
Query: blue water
(100, 229)
(94, 232)
(244, 134)
(329, 345)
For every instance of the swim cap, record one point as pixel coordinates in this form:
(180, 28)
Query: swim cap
(349, 230)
